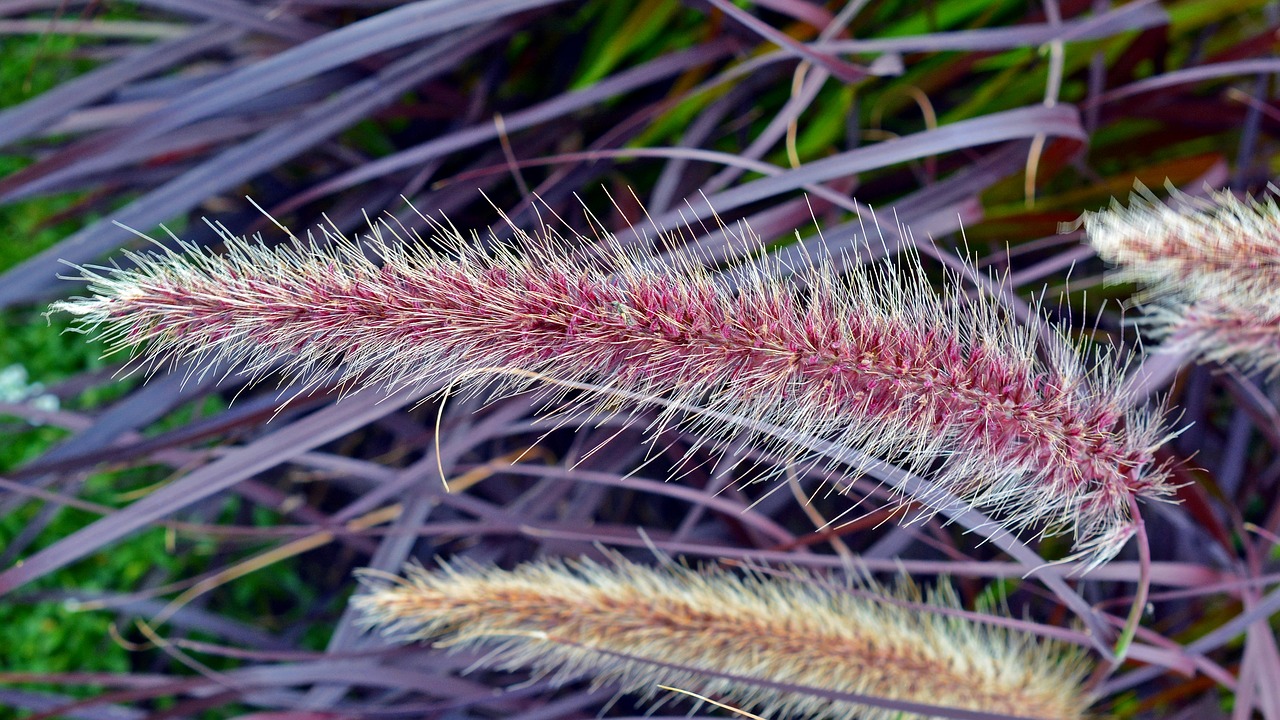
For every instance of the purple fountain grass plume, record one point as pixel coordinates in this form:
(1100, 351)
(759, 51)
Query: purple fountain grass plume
(1210, 269)
(715, 633)
(875, 361)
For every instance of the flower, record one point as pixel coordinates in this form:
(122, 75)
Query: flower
(875, 361)
(1209, 268)
(734, 638)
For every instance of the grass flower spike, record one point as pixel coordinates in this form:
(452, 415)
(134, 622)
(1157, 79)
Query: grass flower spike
(640, 627)
(1210, 269)
(876, 361)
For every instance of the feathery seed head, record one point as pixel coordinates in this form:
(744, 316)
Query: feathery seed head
(639, 627)
(875, 361)
(1221, 246)
(1209, 267)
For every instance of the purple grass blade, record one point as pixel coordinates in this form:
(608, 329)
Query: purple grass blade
(1268, 606)
(415, 22)
(554, 109)
(132, 170)
(188, 617)
(48, 107)
(1059, 121)
(102, 29)
(1212, 71)
(247, 17)
(34, 702)
(356, 411)
(392, 553)
(245, 414)
(1133, 16)
(844, 71)
(816, 16)
(141, 408)
(19, 7)
(34, 278)
(673, 179)
(410, 23)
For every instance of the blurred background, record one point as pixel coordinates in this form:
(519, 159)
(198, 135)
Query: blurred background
(167, 552)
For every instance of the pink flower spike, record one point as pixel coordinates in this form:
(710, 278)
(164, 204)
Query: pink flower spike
(1209, 269)
(875, 361)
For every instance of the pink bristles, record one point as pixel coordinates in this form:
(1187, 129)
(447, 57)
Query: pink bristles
(875, 361)
(1210, 269)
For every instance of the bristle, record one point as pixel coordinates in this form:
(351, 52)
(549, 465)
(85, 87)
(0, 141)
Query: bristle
(874, 361)
(1209, 269)
(639, 627)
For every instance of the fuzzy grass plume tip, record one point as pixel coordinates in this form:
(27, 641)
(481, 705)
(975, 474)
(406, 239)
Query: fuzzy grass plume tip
(1209, 270)
(756, 642)
(874, 362)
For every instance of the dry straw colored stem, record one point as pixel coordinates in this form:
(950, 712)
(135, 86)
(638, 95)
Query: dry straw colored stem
(1210, 270)
(876, 361)
(639, 627)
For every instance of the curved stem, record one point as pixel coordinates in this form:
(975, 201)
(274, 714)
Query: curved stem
(1144, 587)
